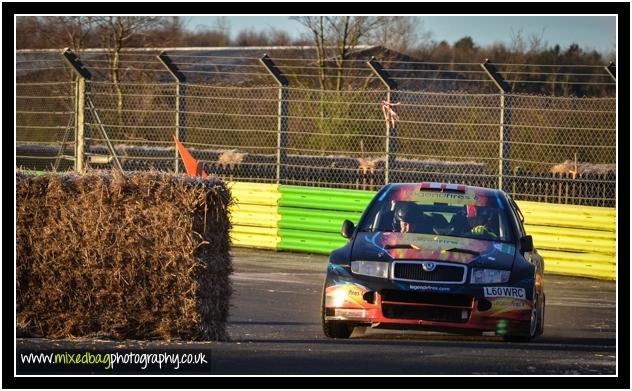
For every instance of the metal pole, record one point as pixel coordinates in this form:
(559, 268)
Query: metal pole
(180, 112)
(505, 121)
(282, 139)
(612, 70)
(176, 166)
(180, 120)
(80, 105)
(108, 143)
(387, 146)
(390, 147)
(282, 113)
(505, 140)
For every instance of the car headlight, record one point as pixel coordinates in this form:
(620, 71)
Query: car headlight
(370, 268)
(489, 276)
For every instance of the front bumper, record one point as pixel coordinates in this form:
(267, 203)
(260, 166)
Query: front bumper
(385, 303)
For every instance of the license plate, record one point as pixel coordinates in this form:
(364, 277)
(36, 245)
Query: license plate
(504, 291)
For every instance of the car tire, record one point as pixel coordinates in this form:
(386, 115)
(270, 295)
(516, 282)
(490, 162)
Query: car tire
(334, 328)
(536, 325)
(337, 329)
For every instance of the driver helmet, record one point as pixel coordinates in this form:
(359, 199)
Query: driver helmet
(479, 213)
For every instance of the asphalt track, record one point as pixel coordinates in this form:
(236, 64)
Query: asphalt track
(275, 330)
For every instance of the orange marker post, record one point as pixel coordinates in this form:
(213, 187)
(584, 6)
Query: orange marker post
(193, 167)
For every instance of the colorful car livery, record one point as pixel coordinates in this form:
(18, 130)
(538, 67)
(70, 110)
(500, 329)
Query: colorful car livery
(440, 257)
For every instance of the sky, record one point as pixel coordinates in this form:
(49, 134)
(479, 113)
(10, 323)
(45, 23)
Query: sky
(589, 32)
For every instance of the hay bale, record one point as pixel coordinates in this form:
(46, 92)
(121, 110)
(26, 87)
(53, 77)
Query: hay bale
(129, 256)
(575, 168)
(230, 158)
(368, 165)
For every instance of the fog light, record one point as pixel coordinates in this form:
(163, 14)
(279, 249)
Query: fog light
(484, 305)
(369, 297)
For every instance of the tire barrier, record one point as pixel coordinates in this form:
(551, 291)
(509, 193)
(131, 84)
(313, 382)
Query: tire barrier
(574, 240)
(255, 215)
(140, 255)
(311, 217)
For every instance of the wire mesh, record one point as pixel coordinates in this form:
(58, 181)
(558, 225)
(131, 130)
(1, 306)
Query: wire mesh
(239, 124)
(45, 125)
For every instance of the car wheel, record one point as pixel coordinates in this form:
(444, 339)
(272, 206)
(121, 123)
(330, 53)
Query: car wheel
(534, 325)
(337, 329)
(334, 328)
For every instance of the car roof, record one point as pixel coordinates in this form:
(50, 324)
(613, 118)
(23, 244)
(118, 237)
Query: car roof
(450, 193)
(442, 186)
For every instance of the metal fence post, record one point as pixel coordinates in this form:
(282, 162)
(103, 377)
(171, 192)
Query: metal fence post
(612, 71)
(180, 110)
(82, 74)
(505, 123)
(282, 139)
(391, 132)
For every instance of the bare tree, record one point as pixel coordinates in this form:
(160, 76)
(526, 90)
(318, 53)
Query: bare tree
(251, 37)
(117, 31)
(206, 37)
(169, 32)
(336, 37)
(222, 24)
(401, 33)
(76, 30)
(316, 27)
(54, 32)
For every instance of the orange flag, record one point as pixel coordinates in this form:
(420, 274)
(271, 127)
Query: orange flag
(193, 167)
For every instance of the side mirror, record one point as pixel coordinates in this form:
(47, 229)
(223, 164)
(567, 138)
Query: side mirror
(526, 243)
(347, 229)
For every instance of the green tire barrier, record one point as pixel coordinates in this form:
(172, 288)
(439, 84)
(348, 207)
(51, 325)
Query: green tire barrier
(311, 217)
(310, 241)
(315, 220)
(325, 198)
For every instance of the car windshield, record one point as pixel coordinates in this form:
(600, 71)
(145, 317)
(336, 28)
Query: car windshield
(411, 209)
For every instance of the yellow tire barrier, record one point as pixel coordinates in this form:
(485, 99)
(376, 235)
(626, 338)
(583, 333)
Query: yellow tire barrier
(257, 237)
(579, 257)
(553, 241)
(558, 215)
(571, 232)
(566, 208)
(255, 215)
(573, 266)
(255, 193)
(574, 240)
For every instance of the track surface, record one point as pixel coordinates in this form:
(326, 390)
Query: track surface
(275, 327)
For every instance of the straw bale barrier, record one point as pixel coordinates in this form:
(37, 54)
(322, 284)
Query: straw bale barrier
(126, 256)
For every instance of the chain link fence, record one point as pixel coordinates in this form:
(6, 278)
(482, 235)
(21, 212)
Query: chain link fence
(245, 127)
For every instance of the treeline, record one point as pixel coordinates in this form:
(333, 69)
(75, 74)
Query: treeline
(77, 32)
(528, 63)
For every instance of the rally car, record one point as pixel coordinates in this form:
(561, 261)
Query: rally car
(440, 257)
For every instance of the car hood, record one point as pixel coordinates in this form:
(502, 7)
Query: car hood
(396, 245)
